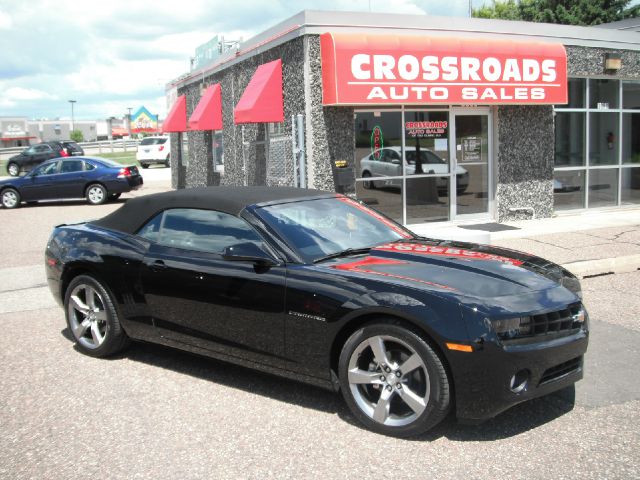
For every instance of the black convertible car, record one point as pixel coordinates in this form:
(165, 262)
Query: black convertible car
(318, 287)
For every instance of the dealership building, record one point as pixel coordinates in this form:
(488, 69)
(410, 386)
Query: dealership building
(424, 118)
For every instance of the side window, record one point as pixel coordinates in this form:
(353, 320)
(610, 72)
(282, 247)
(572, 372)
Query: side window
(151, 230)
(205, 230)
(433, 158)
(42, 148)
(69, 166)
(89, 166)
(48, 169)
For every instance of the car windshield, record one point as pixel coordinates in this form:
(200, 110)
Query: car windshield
(327, 226)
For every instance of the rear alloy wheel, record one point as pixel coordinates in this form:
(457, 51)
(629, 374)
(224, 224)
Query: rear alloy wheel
(92, 318)
(13, 169)
(96, 194)
(10, 198)
(393, 381)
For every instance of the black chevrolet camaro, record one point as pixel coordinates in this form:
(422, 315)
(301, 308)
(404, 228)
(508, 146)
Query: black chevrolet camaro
(318, 287)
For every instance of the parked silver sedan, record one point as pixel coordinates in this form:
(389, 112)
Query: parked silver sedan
(387, 161)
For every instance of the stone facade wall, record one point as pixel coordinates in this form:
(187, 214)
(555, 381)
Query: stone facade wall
(524, 162)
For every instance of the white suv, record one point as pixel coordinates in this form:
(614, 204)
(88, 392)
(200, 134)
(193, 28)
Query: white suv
(154, 150)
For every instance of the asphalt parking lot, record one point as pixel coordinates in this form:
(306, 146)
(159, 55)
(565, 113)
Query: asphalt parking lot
(156, 413)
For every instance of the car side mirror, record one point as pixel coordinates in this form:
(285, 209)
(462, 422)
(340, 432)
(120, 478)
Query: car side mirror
(248, 252)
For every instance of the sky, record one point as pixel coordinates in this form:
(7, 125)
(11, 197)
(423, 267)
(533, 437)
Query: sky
(112, 55)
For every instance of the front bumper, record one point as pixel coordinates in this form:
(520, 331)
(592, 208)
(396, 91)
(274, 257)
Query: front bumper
(483, 378)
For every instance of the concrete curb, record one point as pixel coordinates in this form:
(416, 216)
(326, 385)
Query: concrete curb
(585, 268)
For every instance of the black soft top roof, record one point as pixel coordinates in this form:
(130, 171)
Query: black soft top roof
(137, 211)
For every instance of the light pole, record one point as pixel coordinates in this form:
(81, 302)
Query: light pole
(129, 121)
(73, 126)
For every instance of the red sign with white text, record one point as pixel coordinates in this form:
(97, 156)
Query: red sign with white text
(393, 69)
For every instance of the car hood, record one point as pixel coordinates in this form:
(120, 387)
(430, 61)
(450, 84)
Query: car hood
(459, 269)
(17, 157)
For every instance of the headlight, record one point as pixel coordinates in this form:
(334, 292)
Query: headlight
(512, 327)
(573, 285)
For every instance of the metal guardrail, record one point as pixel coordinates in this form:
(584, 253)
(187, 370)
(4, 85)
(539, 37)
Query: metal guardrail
(90, 148)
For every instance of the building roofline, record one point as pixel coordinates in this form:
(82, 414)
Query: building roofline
(315, 22)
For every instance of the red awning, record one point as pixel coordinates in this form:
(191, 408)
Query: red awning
(176, 120)
(261, 101)
(208, 113)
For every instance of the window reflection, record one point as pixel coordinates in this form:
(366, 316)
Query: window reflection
(568, 189)
(630, 185)
(603, 138)
(603, 93)
(569, 144)
(603, 187)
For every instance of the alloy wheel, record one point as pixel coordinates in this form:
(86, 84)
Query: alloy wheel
(87, 316)
(9, 199)
(13, 170)
(389, 380)
(96, 194)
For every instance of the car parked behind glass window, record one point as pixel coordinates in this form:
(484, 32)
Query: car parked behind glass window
(154, 150)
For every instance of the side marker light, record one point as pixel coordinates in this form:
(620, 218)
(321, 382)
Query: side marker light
(459, 347)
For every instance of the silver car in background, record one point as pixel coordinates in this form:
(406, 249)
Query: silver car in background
(386, 162)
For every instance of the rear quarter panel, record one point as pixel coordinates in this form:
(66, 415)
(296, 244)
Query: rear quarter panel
(112, 257)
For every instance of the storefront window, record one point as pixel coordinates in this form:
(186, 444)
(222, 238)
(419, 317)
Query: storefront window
(603, 187)
(630, 185)
(603, 138)
(576, 90)
(603, 93)
(378, 155)
(569, 145)
(630, 95)
(612, 139)
(184, 149)
(631, 138)
(568, 189)
(427, 199)
(218, 152)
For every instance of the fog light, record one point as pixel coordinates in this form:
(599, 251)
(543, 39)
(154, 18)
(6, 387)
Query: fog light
(519, 381)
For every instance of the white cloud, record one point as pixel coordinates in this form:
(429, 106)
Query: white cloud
(122, 53)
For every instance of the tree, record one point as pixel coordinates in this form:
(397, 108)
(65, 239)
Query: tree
(567, 12)
(76, 135)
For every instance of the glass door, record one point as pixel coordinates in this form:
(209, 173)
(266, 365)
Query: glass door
(471, 153)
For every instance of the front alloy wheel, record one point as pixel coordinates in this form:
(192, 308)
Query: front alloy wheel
(393, 381)
(10, 198)
(13, 169)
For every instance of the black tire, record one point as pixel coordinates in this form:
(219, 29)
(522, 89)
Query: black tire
(10, 198)
(96, 194)
(369, 185)
(105, 318)
(13, 169)
(364, 381)
(167, 162)
(114, 196)
(144, 165)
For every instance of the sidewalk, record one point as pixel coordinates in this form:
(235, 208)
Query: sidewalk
(587, 244)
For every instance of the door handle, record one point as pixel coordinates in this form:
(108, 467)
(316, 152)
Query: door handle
(158, 266)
